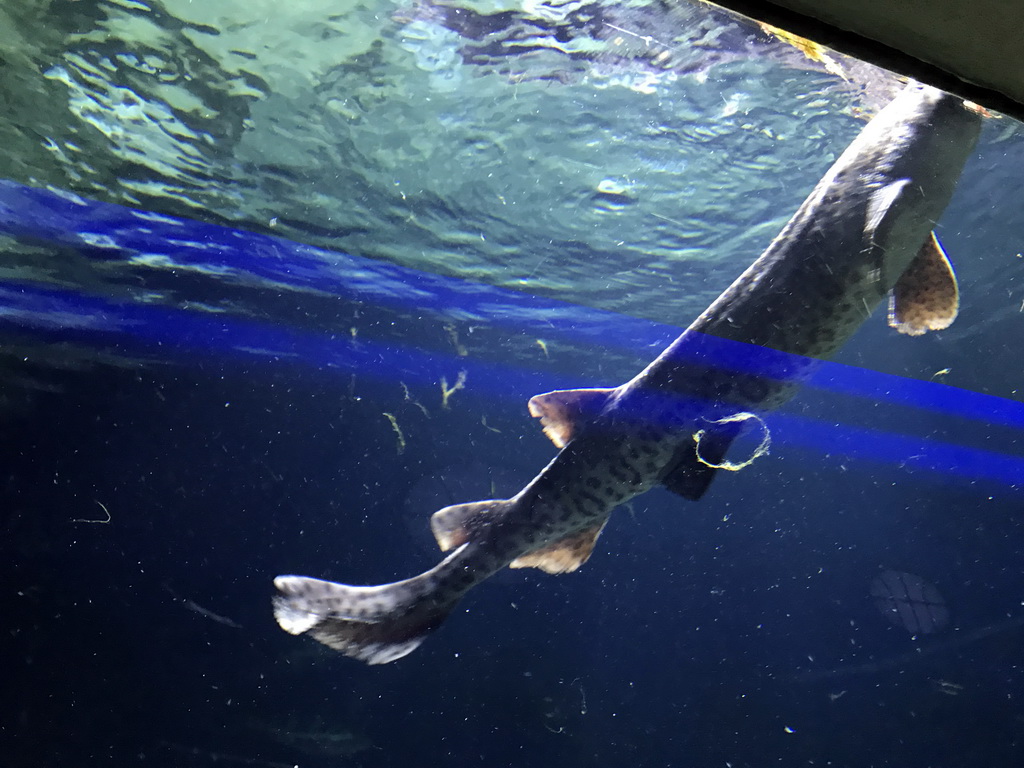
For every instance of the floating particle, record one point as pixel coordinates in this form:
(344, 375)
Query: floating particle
(447, 392)
(398, 431)
(761, 450)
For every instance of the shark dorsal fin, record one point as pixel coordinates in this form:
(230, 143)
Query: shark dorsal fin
(926, 297)
(453, 526)
(564, 555)
(563, 411)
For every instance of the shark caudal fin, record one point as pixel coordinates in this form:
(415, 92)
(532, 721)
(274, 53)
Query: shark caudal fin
(373, 624)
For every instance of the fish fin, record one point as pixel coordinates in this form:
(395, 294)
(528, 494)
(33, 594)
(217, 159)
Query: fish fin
(926, 297)
(881, 203)
(373, 624)
(564, 555)
(562, 412)
(688, 476)
(454, 525)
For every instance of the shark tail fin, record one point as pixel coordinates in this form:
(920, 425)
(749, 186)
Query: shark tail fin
(373, 624)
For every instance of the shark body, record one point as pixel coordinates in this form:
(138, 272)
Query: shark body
(863, 233)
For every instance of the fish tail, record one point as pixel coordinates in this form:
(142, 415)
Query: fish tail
(376, 624)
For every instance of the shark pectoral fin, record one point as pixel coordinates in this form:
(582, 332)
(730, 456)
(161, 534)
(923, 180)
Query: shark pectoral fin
(694, 464)
(562, 411)
(564, 555)
(453, 526)
(926, 297)
(883, 200)
(689, 478)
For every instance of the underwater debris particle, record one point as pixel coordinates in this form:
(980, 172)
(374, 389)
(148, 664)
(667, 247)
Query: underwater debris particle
(101, 522)
(447, 392)
(583, 696)
(543, 347)
(483, 420)
(196, 608)
(947, 687)
(409, 399)
(812, 50)
(666, 218)
(453, 335)
(648, 40)
(398, 431)
(760, 451)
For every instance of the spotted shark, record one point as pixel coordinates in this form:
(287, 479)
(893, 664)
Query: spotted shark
(863, 234)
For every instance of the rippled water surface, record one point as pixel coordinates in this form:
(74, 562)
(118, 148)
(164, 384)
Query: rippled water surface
(585, 152)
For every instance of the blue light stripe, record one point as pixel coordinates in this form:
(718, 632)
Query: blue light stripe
(167, 331)
(109, 232)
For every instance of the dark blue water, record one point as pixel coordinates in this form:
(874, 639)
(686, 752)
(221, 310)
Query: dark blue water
(228, 447)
